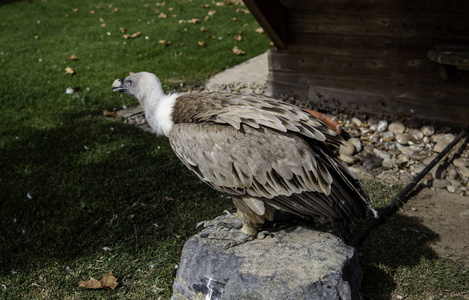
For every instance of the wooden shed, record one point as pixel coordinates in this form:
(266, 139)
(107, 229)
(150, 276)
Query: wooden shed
(392, 57)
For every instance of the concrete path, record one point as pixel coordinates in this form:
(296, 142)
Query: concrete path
(254, 70)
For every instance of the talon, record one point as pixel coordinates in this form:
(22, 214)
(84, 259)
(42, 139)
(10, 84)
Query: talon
(200, 224)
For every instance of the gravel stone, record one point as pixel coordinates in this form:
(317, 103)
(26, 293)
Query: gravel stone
(402, 138)
(397, 127)
(347, 148)
(427, 130)
(382, 125)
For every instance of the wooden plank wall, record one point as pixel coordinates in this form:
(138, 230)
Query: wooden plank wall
(371, 55)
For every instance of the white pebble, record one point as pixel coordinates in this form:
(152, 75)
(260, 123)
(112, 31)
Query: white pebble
(356, 143)
(347, 148)
(349, 159)
(402, 138)
(396, 127)
(382, 126)
(357, 122)
(427, 130)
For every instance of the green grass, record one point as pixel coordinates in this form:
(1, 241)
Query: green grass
(73, 183)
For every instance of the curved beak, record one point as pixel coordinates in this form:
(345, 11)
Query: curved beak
(118, 85)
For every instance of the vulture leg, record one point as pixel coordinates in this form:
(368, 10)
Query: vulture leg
(242, 227)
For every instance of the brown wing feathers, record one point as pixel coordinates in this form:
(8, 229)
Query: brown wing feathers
(257, 150)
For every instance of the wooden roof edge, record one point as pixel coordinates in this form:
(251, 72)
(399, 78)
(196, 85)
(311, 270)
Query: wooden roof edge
(272, 17)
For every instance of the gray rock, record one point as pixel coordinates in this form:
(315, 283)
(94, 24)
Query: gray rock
(427, 130)
(417, 168)
(382, 154)
(388, 136)
(416, 134)
(439, 183)
(442, 141)
(356, 143)
(374, 138)
(461, 163)
(396, 127)
(296, 263)
(451, 188)
(382, 125)
(357, 121)
(451, 173)
(464, 171)
(404, 158)
(349, 159)
(347, 148)
(372, 162)
(402, 138)
(388, 163)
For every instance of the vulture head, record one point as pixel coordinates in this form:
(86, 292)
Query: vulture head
(144, 86)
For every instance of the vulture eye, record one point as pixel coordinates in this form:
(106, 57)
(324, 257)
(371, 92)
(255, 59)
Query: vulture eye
(131, 82)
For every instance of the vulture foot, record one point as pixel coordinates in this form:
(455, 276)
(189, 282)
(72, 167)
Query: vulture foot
(232, 229)
(235, 237)
(227, 222)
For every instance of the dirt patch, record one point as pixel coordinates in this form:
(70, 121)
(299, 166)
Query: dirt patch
(447, 215)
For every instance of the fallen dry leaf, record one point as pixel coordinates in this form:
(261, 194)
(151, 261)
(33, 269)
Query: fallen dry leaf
(115, 9)
(205, 6)
(162, 16)
(234, 19)
(211, 12)
(238, 37)
(91, 284)
(92, 12)
(164, 42)
(203, 29)
(243, 10)
(72, 57)
(108, 113)
(75, 9)
(122, 30)
(201, 43)
(101, 20)
(107, 281)
(132, 36)
(193, 21)
(260, 30)
(238, 51)
(69, 70)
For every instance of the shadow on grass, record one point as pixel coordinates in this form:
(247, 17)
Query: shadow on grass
(399, 242)
(5, 2)
(69, 191)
